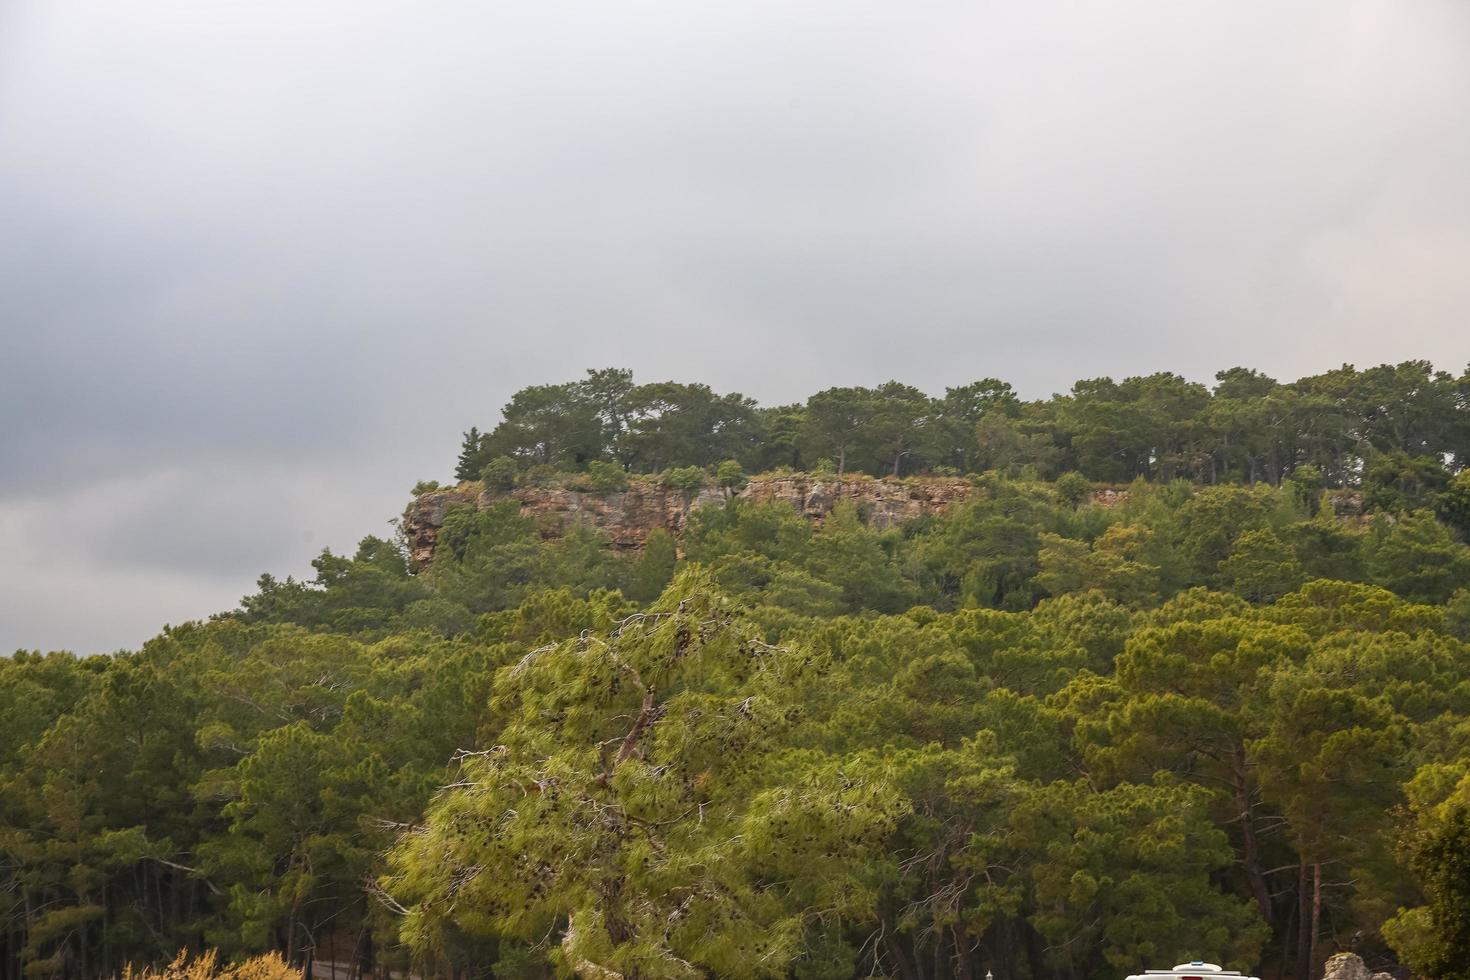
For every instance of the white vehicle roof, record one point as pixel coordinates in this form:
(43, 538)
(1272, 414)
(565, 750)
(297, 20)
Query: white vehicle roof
(1198, 968)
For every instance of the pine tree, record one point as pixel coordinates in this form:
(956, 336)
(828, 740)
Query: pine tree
(471, 455)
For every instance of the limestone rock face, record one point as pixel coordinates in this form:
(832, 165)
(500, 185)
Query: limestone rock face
(1346, 966)
(1347, 503)
(423, 518)
(627, 517)
(883, 503)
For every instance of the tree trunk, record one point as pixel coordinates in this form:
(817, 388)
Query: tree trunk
(964, 969)
(291, 933)
(906, 969)
(156, 873)
(614, 922)
(630, 741)
(1250, 846)
(1004, 955)
(25, 896)
(1316, 914)
(1033, 952)
(1286, 932)
(1304, 925)
(365, 952)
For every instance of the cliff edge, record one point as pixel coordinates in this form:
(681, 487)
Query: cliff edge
(628, 516)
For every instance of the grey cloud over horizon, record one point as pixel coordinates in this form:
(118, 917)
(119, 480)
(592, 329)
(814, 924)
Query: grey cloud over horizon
(260, 263)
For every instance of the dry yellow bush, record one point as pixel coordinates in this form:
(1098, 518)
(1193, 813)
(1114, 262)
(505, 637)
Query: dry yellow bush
(206, 967)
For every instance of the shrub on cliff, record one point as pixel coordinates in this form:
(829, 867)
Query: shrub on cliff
(604, 477)
(730, 475)
(499, 474)
(685, 478)
(543, 475)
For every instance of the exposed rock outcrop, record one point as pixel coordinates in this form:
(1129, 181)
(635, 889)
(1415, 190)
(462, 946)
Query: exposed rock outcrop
(883, 503)
(425, 516)
(1347, 504)
(627, 517)
(1350, 966)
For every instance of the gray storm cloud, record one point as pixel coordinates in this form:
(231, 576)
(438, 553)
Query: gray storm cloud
(261, 262)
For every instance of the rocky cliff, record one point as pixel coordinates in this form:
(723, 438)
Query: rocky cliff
(628, 516)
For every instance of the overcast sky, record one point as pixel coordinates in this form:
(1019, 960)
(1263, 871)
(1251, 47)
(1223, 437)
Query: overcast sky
(262, 261)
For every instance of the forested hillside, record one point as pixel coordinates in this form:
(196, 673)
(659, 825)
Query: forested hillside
(1036, 734)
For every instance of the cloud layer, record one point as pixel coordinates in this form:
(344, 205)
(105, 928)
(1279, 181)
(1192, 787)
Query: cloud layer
(262, 261)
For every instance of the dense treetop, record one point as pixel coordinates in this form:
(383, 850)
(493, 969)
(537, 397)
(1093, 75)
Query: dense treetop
(1408, 420)
(1037, 735)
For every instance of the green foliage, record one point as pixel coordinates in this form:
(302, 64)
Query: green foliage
(1417, 557)
(1073, 487)
(1392, 426)
(853, 557)
(1116, 565)
(1433, 938)
(654, 569)
(1261, 567)
(1454, 504)
(499, 474)
(605, 477)
(1398, 482)
(1015, 445)
(986, 552)
(471, 451)
(1125, 878)
(1306, 487)
(730, 475)
(686, 479)
(1214, 517)
(364, 593)
(1457, 614)
(680, 710)
(437, 615)
(492, 558)
(1326, 548)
